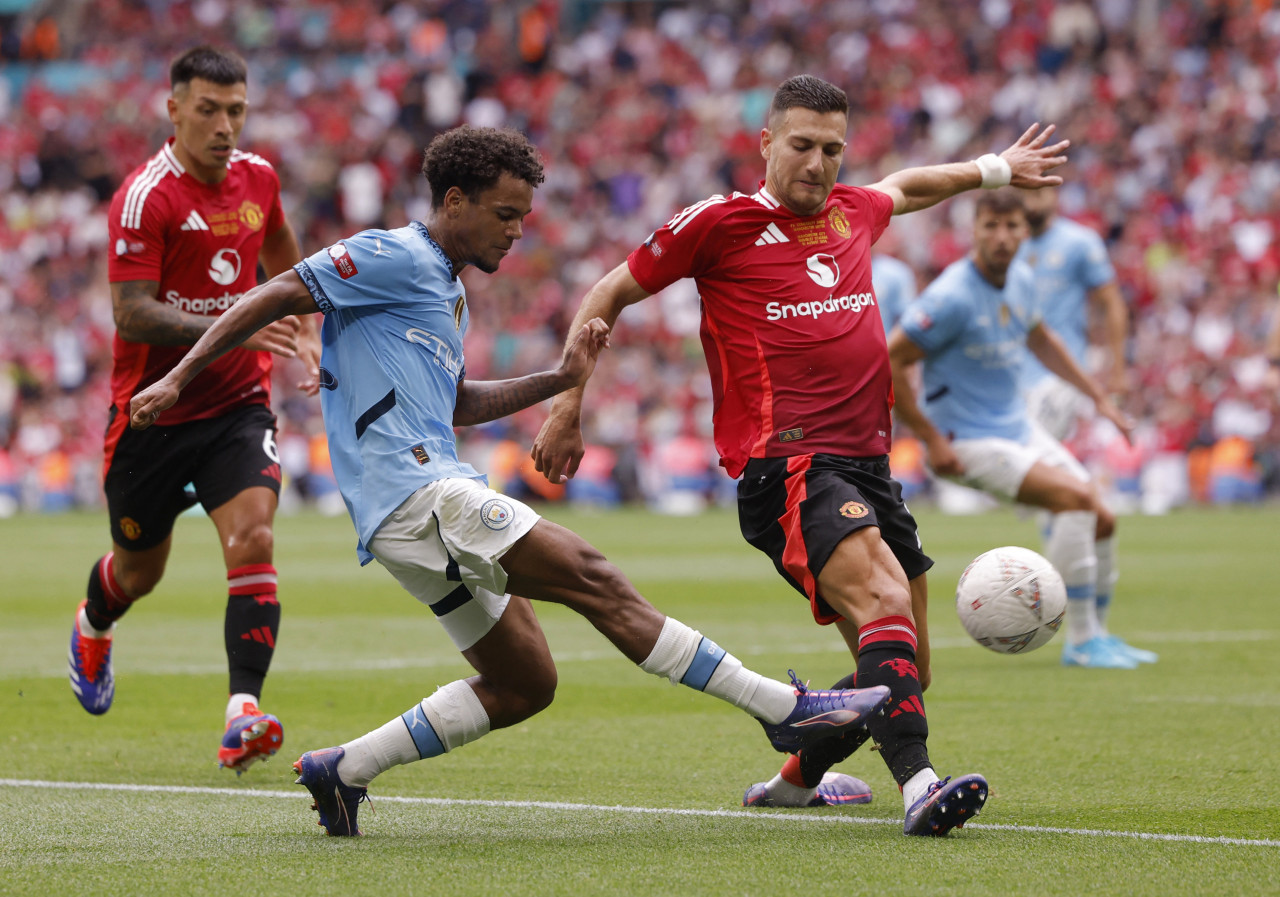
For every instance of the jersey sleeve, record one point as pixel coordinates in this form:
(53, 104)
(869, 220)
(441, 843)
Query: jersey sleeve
(876, 206)
(368, 270)
(137, 248)
(1095, 264)
(683, 247)
(935, 319)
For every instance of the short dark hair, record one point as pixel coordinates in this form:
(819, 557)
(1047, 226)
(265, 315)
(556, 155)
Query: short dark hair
(473, 159)
(209, 64)
(808, 92)
(999, 202)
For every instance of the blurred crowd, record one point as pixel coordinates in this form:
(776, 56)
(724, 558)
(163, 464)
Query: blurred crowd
(639, 109)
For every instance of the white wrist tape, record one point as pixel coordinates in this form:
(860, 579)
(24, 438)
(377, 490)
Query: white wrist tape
(995, 171)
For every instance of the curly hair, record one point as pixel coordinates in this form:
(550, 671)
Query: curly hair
(473, 159)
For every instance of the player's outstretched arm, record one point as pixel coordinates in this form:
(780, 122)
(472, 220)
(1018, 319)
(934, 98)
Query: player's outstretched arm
(558, 449)
(1025, 164)
(903, 353)
(1048, 348)
(280, 297)
(486, 400)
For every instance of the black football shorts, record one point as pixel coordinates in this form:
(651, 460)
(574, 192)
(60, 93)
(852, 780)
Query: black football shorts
(151, 473)
(798, 509)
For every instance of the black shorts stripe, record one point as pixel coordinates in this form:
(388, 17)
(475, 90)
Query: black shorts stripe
(451, 602)
(379, 408)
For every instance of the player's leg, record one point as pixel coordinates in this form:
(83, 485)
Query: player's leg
(1105, 549)
(1058, 483)
(805, 778)
(554, 564)
(146, 473)
(238, 482)
(516, 679)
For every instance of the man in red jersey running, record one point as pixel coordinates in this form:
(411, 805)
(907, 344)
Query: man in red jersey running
(188, 229)
(802, 396)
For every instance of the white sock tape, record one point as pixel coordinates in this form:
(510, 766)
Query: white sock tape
(995, 171)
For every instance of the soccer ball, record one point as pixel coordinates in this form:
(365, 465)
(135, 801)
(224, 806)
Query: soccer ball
(1011, 600)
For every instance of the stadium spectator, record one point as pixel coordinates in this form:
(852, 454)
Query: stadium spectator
(395, 383)
(637, 104)
(188, 229)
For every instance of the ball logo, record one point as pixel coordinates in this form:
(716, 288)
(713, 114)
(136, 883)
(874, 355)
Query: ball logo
(854, 510)
(823, 270)
(224, 270)
(497, 514)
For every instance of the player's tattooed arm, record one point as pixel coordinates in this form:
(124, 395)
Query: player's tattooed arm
(141, 319)
(486, 400)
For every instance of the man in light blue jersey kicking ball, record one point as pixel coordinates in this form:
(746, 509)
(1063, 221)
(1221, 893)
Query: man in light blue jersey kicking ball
(394, 386)
(971, 327)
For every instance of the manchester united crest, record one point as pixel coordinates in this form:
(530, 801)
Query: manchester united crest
(854, 510)
(250, 215)
(839, 223)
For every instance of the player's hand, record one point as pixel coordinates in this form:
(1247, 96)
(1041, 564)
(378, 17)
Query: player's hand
(581, 353)
(309, 355)
(147, 405)
(942, 458)
(1124, 423)
(558, 449)
(1029, 158)
(279, 337)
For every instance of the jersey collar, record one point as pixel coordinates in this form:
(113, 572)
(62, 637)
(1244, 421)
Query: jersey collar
(426, 235)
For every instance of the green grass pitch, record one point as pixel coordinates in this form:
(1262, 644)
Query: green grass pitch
(1159, 781)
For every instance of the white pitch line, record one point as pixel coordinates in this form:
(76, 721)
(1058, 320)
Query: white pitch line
(640, 811)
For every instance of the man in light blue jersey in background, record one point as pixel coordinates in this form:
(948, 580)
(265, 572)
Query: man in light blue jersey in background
(895, 285)
(394, 385)
(1073, 275)
(971, 327)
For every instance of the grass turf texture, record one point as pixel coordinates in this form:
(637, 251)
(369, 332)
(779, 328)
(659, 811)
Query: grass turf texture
(1185, 748)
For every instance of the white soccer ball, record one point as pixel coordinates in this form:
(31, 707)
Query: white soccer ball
(1011, 600)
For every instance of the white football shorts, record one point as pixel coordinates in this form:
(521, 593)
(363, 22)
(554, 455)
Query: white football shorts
(1056, 405)
(998, 466)
(443, 544)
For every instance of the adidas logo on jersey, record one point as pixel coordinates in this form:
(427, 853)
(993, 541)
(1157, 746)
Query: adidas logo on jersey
(194, 222)
(772, 234)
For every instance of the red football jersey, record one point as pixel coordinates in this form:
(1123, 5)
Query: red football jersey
(790, 325)
(200, 242)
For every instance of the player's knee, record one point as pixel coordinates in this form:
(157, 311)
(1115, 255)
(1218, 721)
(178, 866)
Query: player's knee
(1076, 497)
(1106, 527)
(530, 693)
(255, 541)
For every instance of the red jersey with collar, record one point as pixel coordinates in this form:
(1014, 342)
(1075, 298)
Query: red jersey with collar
(200, 242)
(790, 325)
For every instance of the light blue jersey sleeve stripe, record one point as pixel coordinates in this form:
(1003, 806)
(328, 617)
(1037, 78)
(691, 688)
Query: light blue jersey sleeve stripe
(424, 736)
(704, 665)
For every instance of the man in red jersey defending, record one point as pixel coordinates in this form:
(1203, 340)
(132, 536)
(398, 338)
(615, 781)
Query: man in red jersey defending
(188, 229)
(802, 393)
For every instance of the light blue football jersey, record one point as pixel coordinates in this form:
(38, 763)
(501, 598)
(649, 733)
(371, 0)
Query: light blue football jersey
(895, 286)
(394, 322)
(975, 335)
(1069, 260)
